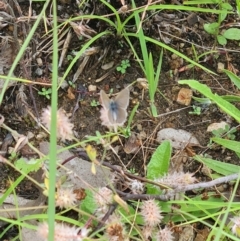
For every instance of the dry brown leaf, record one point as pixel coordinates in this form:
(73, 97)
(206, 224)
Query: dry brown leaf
(184, 96)
(70, 94)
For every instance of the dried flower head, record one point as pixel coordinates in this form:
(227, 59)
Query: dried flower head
(164, 235)
(62, 232)
(115, 231)
(103, 197)
(147, 231)
(136, 187)
(64, 127)
(177, 179)
(65, 198)
(236, 226)
(151, 213)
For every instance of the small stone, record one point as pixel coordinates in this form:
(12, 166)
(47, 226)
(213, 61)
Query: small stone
(39, 62)
(174, 56)
(139, 127)
(179, 138)
(192, 19)
(92, 88)
(64, 83)
(41, 135)
(142, 135)
(184, 96)
(182, 45)
(30, 135)
(220, 67)
(107, 65)
(39, 71)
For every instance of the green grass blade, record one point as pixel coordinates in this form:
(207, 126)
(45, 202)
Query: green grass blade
(53, 130)
(234, 78)
(218, 166)
(229, 144)
(206, 91)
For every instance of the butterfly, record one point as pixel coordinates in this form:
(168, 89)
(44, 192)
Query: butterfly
(117, 107)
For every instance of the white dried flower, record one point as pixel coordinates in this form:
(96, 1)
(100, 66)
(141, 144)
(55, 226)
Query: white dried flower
(151, 213)
(147, 231)
(236, 226)
(116, 232)
(62, 232)
(103, 197)
(65, 198)
(64, 127)
(136, 187)
(177, 179)
(164, 235)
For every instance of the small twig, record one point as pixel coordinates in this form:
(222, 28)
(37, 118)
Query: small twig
(172, 112)
(209, 184)
(110, 211)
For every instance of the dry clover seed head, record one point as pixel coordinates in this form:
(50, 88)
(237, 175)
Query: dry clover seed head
(103, 197)
(65, 198)
(164, 235)
(62, 232)
(177, 179)
(236, 226)
(136, 187)
(64, 127)
(151, 213)
(115, 232)
(147, 231)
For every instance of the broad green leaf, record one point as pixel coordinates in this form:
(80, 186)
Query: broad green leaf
(26, 167)
(88, 204)
(226, 106)
(232, 33)
(211, 28)
(224, 6)
(234, 78)
(221, 40)
(229, 144)
(159, 163)
(218, 166)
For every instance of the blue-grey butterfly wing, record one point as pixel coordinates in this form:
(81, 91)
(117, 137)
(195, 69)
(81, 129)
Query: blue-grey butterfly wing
(122, 98)
(104, 99)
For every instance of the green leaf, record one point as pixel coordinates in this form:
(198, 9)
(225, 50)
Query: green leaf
(231, 98)
(226, 6)
(154, 110)
(218, 166)
(88, 204)
(26, 167)
(232, 33)
(234, 78)
(206, 91)
(211, 28)
(159, 163)
(221, 40)
(229, 144)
